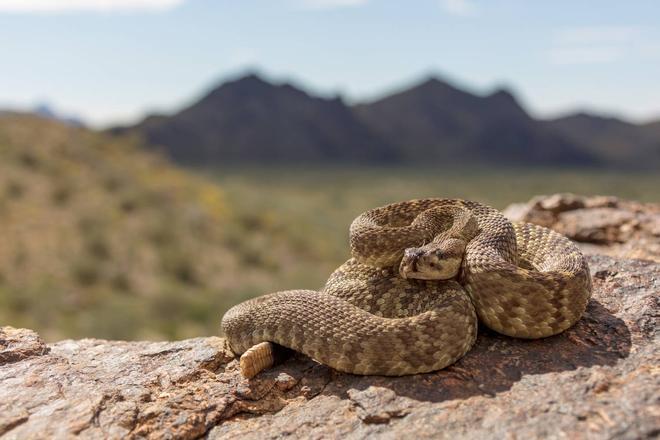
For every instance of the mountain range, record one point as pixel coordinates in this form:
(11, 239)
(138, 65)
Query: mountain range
(252, 121)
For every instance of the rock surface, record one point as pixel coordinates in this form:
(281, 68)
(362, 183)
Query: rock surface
(600, 379)
(600, 224)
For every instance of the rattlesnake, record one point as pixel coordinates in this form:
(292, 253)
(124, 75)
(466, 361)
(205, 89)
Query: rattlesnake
(407, 301)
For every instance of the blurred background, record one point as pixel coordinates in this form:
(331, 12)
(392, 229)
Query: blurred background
(162, 160)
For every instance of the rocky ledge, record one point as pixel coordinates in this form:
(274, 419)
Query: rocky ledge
(599, 224)
(600, 379)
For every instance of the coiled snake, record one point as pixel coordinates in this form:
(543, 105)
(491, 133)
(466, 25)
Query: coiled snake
(407, 301)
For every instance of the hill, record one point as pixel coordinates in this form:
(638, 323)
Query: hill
(615, 141)
(252, 121)
(102, 239)
(438, 122)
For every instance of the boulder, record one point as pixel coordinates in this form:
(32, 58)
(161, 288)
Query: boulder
(600, 224)
(599, 379)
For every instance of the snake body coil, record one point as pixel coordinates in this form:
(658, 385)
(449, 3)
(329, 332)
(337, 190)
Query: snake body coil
(392, 310)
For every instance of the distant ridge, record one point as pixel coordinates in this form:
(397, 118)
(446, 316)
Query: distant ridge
(436, 121)
(613, 140)
(46, 111)
(252, 121)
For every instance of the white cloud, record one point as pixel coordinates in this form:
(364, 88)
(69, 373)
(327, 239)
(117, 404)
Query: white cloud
(598, 44)
(584, 55)
(331, 4)
(63, 6)
(599, 35)
(463, 8)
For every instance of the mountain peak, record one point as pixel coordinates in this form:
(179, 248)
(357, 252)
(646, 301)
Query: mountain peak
(433, 82)
(250, 77)
(251, 84)
(502, 93)
(503, 98)
(249, 80)
(251, 120)
(254, 84)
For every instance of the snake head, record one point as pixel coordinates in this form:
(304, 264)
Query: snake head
(435, 261)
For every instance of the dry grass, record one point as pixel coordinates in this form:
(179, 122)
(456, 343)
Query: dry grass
(102, 239)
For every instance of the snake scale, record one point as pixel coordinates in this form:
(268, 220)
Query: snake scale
(422, 273)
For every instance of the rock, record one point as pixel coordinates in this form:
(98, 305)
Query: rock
(599, 379)
(379, 405)
(600, 224)
(16, 345)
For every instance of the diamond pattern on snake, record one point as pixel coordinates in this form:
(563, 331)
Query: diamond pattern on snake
(422, 273)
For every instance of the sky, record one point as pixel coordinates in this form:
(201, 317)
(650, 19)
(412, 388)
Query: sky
(111, 61)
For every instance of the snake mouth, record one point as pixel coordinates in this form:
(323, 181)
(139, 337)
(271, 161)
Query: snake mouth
(420, 275)
(420, 265)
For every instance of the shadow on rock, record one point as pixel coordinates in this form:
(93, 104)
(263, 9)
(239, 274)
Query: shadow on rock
(494, 364)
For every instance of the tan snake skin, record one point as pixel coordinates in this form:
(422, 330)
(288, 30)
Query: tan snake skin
(520, 279)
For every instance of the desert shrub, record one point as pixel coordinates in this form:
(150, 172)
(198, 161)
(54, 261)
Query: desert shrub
(29, 159)
(120, 281)
(14, 189)
(98, 247)
(62, 193)
(86, 273)
(177, 264)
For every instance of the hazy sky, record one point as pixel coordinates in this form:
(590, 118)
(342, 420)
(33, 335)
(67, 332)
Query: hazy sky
(112, 60)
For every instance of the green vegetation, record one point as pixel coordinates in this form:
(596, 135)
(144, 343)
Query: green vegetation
(311, 209)
(100, 239)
